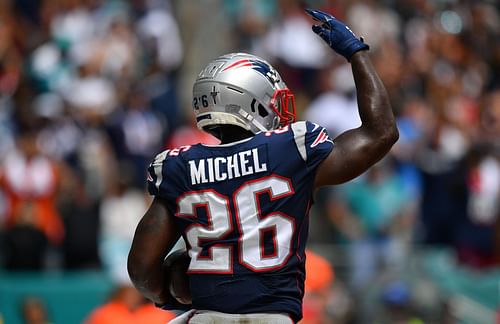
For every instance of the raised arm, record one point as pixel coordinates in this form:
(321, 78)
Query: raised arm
(154, 237)
(357, 149)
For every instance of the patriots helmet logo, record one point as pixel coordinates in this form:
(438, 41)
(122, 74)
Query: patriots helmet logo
(259, 66)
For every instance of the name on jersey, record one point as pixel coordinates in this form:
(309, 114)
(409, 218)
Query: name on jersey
(223, 168)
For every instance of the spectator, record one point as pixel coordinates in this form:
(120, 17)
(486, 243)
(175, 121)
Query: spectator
(25, 245)
(126, 306)
(475, 241)
(120, 212)
(90, 95)
(372, 215)
(147, 313)
(251, 20)
(34, 311)
(163, 49)
(438, 161)
(30, 178)
(60, 135)
(81, 222)
(118, 309)
(335, 107)
(293, 49)
(159, 31)
(318, 284)
(364, 17)
(136, 134)
(398, 305)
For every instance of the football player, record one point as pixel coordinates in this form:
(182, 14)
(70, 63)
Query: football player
(242, 206)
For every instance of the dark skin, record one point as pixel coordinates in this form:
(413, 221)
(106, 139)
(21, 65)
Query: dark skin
(358, 149)
(354, 152)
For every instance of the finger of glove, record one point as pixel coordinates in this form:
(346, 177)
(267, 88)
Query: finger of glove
(317, 29)
(323, 33)
(319, 15)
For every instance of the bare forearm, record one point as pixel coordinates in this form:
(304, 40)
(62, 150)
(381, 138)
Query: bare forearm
(148, 280)
(374, 107)
(155, 236)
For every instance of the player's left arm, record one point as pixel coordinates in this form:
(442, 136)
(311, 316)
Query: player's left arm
(154, 237)
(356, 150)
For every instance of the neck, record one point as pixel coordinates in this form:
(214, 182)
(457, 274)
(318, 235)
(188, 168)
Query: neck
(234, 137)
(230, 133)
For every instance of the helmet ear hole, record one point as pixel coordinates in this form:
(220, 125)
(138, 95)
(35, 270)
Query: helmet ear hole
(262, 111)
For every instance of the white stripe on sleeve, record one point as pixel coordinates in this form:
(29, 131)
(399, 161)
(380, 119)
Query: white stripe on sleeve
(299, 135)
(158, 166)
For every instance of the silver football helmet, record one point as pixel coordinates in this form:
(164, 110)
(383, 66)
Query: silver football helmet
(243, 90)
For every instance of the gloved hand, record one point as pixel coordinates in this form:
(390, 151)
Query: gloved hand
(336, 34)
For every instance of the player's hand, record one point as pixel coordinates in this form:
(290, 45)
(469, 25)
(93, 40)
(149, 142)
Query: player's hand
(336, 34)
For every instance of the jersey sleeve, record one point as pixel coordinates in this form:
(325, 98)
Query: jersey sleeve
(155, 174)
(312, 141)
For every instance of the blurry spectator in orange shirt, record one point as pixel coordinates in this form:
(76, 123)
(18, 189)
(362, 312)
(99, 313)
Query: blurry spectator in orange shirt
(148, 313)
(119, 309)
(319, 279)
(29, 178)
(127, 306)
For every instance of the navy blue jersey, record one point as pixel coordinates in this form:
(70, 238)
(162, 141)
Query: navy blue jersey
(242, 209)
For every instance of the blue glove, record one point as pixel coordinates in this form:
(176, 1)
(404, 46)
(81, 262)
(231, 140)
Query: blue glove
(336, 34)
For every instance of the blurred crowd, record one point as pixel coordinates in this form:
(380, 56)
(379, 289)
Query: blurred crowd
(91, 90)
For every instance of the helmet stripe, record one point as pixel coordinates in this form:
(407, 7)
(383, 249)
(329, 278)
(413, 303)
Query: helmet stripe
(239, 63)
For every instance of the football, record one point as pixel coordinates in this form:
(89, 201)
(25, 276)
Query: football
(175, 267)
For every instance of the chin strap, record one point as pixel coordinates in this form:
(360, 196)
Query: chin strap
(252, 120)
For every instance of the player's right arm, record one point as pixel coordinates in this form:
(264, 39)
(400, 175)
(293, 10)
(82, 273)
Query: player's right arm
(156, 234)
(356, 150)
(154, 237)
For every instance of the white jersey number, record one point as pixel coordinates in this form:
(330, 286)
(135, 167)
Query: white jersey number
(251, 223)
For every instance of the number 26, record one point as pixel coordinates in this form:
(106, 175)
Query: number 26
(203, 100)
(252, 225)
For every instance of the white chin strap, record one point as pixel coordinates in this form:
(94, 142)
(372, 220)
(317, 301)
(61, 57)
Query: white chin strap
(252, 120)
